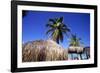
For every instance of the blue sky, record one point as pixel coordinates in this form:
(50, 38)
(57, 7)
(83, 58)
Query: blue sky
(34, 25)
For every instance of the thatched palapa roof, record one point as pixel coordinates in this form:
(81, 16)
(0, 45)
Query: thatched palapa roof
(75, 49)
(43, 50)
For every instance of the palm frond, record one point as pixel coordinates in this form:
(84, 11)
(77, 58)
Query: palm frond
(53, 21)
(60, 19)
(50, 25)
(61, 35)
(57, 29)
(50, 30)
(75, 41)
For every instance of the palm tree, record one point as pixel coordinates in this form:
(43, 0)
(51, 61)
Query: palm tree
(75, 42)
(57, 29)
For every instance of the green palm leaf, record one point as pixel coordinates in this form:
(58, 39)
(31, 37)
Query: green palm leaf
(57, 29)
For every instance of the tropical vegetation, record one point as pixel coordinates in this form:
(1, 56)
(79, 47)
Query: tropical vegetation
(57, 29)
(75, 41)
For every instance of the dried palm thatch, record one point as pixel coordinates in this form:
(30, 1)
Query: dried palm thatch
(43, 50)
(75, 49)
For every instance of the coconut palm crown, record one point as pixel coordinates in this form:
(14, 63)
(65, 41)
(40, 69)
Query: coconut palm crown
(57, 29)
(75, 41)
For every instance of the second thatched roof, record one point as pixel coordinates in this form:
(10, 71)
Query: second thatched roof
(75, 49)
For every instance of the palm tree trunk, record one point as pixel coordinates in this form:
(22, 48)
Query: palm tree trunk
(57, 42)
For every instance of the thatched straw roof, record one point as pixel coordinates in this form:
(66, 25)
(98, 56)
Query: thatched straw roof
(75, 49)
(43, 50)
